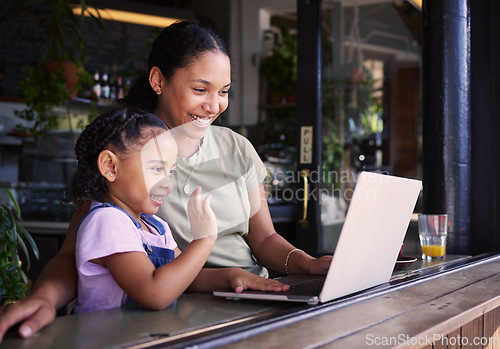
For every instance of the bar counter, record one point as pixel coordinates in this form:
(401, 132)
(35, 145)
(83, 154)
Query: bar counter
(442, 302)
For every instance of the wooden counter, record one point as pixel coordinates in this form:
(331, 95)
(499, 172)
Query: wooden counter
(459, 298)
(458, 306)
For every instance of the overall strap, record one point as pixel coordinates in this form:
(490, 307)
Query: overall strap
(155, 223)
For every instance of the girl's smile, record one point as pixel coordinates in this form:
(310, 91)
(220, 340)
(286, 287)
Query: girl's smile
(144, 176)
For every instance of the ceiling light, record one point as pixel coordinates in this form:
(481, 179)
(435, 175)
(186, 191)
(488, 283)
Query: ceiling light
(133, 12)
(416, 3)
(129, 17)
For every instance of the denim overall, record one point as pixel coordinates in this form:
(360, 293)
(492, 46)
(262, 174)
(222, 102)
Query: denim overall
(158, 255)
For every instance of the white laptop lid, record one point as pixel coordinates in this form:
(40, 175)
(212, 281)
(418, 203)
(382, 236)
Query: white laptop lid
(374, 229)
(371, 237)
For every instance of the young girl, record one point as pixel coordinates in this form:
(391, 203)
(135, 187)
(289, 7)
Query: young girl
(125, 162)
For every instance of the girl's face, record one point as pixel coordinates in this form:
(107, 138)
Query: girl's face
(196, 95)
(144, 176)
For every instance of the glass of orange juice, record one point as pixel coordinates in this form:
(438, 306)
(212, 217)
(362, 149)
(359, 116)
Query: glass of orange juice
(433, 229)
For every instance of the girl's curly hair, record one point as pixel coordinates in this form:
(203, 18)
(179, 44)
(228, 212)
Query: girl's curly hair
(117, 129)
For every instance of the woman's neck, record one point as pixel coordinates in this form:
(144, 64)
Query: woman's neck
(188, 146)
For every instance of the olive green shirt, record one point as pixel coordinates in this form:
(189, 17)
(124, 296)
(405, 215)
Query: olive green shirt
(227, 167)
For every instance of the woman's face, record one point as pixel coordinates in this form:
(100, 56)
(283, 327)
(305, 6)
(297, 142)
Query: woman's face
(196, 95)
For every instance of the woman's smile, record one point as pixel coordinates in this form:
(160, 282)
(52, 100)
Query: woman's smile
(201, 121)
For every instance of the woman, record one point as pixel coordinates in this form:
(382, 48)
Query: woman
(187, 87)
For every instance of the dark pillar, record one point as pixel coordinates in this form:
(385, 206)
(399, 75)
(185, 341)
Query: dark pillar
(308, 233)
(446, 133)
(485, 73)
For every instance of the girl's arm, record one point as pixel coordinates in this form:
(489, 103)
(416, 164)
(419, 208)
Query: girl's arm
(158, 288)
(238, 279)
(55, 287)
(271, 249)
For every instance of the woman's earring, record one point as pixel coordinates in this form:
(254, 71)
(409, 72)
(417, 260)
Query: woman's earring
(158, 91)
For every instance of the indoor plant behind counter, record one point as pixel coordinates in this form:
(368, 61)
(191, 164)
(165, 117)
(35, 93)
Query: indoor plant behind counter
(58, 32)
(14, 283)
(279, 67)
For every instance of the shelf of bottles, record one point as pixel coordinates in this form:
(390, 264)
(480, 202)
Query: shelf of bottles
(108, 86)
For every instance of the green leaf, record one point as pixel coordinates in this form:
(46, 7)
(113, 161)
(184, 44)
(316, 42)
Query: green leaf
(29, 239)
(14, 202)
(9, 222)
(22, 245)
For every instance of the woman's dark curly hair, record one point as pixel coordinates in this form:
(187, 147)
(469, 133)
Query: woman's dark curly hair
(117, 130)
(178, 45)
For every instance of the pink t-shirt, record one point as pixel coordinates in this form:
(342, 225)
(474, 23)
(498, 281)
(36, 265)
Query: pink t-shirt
(106, 231)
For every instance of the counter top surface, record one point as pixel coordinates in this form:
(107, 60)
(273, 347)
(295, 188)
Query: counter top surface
(120, 327)
(422, 304)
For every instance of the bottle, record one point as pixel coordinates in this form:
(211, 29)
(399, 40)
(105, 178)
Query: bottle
(127, 86)
(112, 83)
(96, 89)
(120, 93)
(105, 89)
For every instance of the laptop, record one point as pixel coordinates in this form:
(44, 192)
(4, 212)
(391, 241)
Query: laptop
(365, 255)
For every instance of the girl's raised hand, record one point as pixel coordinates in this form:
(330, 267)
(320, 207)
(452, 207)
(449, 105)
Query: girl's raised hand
(201, 217)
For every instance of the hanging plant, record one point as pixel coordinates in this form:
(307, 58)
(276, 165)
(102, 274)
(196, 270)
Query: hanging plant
(58, 32)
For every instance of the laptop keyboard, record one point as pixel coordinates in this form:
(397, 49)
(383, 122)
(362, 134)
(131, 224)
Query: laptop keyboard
(310, 288)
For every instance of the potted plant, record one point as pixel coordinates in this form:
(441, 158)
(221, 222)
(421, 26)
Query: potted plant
(14, 283)
(280, 67)
(60, 72)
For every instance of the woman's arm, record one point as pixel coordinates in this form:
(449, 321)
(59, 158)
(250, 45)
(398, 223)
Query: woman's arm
(271, 249)
(55, 287)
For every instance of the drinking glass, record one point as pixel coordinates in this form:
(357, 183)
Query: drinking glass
(433, 230)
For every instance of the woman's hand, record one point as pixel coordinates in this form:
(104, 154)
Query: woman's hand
(32, 312)
(319, 266)
(201, 217)
(241, 279)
